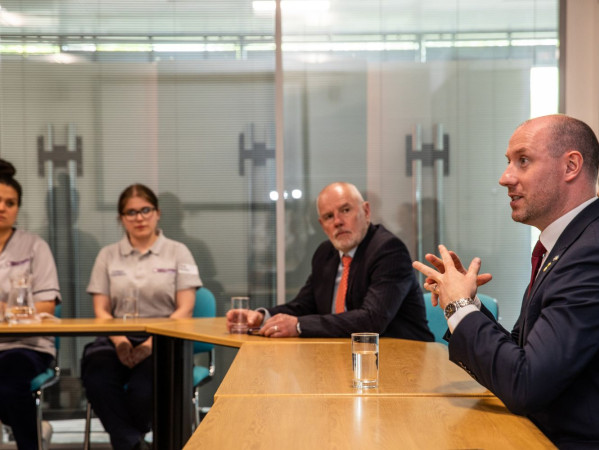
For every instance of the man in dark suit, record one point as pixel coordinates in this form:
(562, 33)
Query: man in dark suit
(382, 296)
(547, 368)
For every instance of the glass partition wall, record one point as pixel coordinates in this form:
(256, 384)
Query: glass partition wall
(414, 102)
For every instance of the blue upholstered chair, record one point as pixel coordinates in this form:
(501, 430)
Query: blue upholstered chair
(205, 306)
(436, 318)
(44, 380)
(490, 303)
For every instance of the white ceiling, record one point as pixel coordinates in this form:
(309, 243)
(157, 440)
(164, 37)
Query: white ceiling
(197, 17)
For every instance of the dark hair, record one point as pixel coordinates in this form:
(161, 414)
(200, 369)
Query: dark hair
(7, 172)
(137, 190)
(568, 133)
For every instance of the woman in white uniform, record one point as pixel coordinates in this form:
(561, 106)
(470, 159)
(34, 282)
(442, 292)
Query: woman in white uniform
(22, 359)
(162, 274)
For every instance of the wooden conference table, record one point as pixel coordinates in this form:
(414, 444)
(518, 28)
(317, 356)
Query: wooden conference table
(296, 393)
(363, 422)
(170, 398)
(406, 368)
(281, 388)
(172, 355)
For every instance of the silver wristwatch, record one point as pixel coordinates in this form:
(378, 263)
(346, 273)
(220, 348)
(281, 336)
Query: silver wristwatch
(452, 307)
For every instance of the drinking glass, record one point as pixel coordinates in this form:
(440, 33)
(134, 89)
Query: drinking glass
(20, 307)
(365, 359)
(130, 304)
(240, 307)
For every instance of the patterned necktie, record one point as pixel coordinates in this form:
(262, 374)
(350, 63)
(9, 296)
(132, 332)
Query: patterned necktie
(537, 257)
(342, 289)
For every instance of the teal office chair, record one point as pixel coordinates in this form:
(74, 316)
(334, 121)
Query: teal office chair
(205, 306)
(436, 318)
(44, 380)
(490, 303)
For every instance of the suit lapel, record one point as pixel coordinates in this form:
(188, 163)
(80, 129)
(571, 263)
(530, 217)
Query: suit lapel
(570, 234)
(357, 260)
(530, 307)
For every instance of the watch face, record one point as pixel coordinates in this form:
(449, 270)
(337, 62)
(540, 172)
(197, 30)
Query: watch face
(449, 310)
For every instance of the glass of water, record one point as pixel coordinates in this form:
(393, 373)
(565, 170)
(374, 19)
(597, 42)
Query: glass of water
(365, 359)
(240, 307)
(20, 307)
(130, 304)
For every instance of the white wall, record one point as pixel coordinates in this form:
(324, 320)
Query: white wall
(582, 61)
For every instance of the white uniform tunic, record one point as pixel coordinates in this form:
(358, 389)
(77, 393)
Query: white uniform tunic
(157, 274)
(26, 252)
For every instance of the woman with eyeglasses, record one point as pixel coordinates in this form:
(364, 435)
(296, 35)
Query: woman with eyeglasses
(23, 358)
(163, 276)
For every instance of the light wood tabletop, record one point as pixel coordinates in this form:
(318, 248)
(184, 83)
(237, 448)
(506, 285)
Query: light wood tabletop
(214, 331)
(299, 391)
(82, 326)
(405, 368)
(297, 423)
(172, 372)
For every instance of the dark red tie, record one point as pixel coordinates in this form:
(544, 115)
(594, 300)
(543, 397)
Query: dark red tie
(537, 257)
(342, 289)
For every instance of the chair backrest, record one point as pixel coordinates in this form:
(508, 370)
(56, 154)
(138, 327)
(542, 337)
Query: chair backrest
(50, 376)
(490, 303)
(205, 306)
(436, 318)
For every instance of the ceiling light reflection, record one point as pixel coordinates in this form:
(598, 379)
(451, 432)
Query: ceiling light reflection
(10, 19)
(292, 6)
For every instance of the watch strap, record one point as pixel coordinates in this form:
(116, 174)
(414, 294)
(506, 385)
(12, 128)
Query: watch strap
(452, 307)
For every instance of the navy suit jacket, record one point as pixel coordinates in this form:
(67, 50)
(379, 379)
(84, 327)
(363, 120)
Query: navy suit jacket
(383, 295)
(548, 367)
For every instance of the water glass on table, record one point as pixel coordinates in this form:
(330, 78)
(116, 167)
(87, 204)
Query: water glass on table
(130, 304)
(240, 307)
(20, 307)
(365, 359)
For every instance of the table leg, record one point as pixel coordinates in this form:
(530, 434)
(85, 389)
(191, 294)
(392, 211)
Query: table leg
(173, 365)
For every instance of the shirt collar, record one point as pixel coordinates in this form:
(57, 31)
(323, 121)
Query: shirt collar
(551, 234)
(350, 253)
(126, 248)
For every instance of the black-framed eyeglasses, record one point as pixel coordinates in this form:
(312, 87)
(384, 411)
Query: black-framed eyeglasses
(131, 214)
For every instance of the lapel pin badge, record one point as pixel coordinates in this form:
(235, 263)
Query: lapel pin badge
(550, 262)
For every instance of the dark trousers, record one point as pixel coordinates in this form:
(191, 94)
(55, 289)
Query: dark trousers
(121, 397)
(17, 405)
